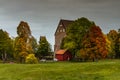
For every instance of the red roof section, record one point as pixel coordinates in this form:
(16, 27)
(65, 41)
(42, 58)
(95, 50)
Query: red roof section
(60, 51)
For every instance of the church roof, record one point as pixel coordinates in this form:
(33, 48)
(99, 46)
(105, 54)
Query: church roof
(65, 23)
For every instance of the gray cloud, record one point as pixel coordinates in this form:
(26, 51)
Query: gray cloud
(43, 15)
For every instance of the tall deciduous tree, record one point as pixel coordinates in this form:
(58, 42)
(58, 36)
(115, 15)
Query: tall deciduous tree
(44, 48)
(113, 37)
(94, 44)
(25, 43)
(75, 33)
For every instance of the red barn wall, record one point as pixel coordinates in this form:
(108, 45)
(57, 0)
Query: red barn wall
(59, 57)
(67, 56)
(64, 57)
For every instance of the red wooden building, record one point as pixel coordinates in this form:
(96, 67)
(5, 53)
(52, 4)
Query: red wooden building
(63, 55)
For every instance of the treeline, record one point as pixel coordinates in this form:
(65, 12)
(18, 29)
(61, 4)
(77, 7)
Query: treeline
(86, 41)
(24, 47)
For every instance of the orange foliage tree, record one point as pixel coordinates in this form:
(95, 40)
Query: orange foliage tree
(94, 45)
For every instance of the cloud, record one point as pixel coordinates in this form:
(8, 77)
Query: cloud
(43, 15)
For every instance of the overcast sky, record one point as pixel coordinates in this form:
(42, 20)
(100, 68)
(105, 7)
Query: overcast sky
(43, 15)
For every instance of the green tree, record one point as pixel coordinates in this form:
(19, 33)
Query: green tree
(75, 33)
(10, 51)
(6, 47)
(44, 48)
(117, 45)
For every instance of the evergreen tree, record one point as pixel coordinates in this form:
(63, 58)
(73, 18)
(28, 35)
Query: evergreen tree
(44, 48)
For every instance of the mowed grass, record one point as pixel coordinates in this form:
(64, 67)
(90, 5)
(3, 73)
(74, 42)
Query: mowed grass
(101, 70)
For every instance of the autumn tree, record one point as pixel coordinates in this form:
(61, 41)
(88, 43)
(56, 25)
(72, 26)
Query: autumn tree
(108, 47)
(75, 33)
(31, 59)
(34, 45)
(113, 37)
(6, 47)
(25, 43)
(44, 48)
(94, 45)
(20, 49)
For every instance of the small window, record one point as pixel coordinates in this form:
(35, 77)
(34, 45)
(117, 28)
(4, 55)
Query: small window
(60, 30)
(63, 30)
(60, 41)
(60, 25)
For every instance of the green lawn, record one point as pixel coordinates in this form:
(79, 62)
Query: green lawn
(101, 70)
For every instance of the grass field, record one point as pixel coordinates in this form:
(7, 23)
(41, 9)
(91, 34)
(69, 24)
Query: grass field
(101, 70)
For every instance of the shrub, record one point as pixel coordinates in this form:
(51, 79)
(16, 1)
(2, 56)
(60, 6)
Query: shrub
(31, 59)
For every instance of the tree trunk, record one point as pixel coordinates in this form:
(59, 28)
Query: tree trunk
(4, 57)
(93, 59)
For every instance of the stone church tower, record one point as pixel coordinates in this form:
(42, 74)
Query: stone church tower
(61, 33)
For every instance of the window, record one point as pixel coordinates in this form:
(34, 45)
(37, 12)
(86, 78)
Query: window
(60, 30)
(57, 30)
(63, 30)
(60, 25)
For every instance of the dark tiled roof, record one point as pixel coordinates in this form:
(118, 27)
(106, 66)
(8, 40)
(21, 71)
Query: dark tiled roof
(65, 23)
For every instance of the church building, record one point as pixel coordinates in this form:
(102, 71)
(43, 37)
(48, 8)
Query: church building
(60, 33)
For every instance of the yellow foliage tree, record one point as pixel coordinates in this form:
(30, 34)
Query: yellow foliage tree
(31, 59)
(24, 42)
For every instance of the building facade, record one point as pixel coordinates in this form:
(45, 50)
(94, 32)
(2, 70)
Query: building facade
(61, 33)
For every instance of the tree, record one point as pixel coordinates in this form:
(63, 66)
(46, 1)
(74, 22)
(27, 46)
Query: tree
(113, 37)
(75, 33)
(31, 59)
(25, 43)
(94, 44)
(20, 49)
(6, 46)
(34, 44)
(44, 48)
(108, 47)
(117, 45)
(23, 30)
